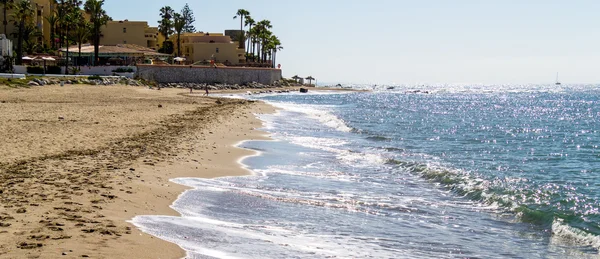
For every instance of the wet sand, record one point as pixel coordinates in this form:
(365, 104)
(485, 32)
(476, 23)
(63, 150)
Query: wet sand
(78, 162)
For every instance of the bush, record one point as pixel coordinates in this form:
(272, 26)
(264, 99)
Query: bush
(123, 70)
(53, 70)
(35, 70)
(168, 47)
(94, 77)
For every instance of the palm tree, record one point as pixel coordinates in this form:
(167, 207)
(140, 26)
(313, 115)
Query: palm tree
(22, 15)
(265, 36)
(241, 13)
(253, 33)
(165, 25)
(30, 36)
(275, 47)
(52, 21)
(61, 12)
(68, 21)
(249, 22)
(310, 79)
(98, 18)
(6, 4)
(262, 34)
(82, 32)
(178, 24)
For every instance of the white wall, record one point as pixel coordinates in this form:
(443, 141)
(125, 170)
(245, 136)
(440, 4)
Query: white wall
(85, 70)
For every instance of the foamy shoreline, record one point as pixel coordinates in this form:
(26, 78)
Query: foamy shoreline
(227, 138)
(80, 161)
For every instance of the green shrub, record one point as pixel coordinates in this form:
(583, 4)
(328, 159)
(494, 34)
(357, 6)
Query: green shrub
(94, 77)
(123, 70)
(35, 70)
(53, 70)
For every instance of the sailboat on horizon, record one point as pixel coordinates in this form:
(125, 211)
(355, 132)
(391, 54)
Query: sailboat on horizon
(557, 82)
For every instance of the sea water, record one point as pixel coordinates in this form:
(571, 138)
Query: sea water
(445, 171)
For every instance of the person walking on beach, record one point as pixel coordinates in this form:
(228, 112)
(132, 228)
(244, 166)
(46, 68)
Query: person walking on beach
(190, 89)
(206, 89)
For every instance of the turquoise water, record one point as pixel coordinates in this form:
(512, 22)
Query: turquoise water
(463, 171)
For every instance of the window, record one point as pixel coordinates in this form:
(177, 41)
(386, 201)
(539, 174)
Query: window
(217, 50)
(124, 30)
(124, 42)
(39, 13)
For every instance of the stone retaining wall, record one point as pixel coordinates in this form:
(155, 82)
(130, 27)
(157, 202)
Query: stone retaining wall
(208, 75)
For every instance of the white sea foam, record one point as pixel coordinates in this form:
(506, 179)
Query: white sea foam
(319, 113)
(344, 155)
(231, 240)
(565, 234)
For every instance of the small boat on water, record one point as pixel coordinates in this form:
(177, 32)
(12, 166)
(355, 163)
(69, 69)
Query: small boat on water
(391, 88)
(557, 82)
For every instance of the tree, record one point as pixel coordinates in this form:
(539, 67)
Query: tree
(178, 25)
(253, 34)
(98, 18)
(22, 15)
(30, 36)
(62, 12)
(275, 46)
(165, 25)
(188, 17)
(249, 22)
(72, 16)
(241, 13)
(262, 34)
(6, 5)
(52, 21)
(82, 32)
(167, 47)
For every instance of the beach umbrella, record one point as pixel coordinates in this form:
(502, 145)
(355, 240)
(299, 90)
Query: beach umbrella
(27, 58)
(179, 59)
(310, 79)
(296, 77)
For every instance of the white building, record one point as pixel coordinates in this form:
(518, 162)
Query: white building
(6, 46)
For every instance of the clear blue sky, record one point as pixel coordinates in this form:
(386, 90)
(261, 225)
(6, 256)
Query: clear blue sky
(424, 41)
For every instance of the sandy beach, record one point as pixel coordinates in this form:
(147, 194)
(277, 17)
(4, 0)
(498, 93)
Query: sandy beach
(78, 162)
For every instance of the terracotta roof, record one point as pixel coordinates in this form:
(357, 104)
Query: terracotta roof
(135, 47)
(101, 49)
(147, 51)
(131, 49)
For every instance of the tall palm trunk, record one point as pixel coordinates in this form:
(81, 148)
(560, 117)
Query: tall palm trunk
(179, 44)
(241, 44)
(247, 47)
(19, 60)
(60, 36)
(258, 50)
(67, 59)
(52, 36)
(5, 22)
(96, 46)
(253, 49)
(264, 51)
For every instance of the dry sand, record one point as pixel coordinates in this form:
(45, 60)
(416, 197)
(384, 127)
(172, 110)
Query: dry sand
(77, 162)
